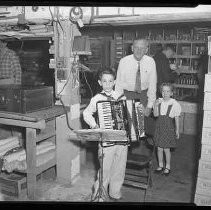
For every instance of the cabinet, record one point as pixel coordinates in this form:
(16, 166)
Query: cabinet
(189, 47)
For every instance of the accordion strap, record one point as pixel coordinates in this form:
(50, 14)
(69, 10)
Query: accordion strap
(109, 98)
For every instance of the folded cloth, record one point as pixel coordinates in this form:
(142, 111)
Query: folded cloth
(21, 154)
(44, 146)
(6, 147)
(15, 142)
(22, 165)
(7, 140)
(15, 156)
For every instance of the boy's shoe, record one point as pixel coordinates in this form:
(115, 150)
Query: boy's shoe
(114, 199)
(158, 170)
(166, 171)
(99, 199)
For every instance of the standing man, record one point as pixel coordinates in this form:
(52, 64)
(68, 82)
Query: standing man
(166, 72)
(137, 79)
(10, 69)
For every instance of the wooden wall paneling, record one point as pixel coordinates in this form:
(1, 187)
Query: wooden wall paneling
(119, 51)
(95, 61)
(106, 52)
(112, 53)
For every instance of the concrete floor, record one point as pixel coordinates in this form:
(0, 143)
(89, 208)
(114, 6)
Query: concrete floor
(178, 188)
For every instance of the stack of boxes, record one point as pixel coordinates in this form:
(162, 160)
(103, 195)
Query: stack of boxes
(203, 185)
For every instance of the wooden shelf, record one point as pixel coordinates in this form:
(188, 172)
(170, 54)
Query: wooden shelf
(186, 56)
(186, 86)
(31, 38)
(191, 41)
(41, 168)
(163, 41)
(170, 41)
(45, 166)
(187, 70)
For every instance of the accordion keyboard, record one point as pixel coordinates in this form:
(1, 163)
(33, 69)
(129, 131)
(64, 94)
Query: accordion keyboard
(112, 115)
(105, 115)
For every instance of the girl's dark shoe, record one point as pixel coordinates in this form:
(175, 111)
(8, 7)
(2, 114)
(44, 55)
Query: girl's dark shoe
(166, 171)
(158, 170)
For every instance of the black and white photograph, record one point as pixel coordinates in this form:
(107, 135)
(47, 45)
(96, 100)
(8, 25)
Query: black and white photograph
(105, 104)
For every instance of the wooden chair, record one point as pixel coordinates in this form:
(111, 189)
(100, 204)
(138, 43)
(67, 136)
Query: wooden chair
(139, 166)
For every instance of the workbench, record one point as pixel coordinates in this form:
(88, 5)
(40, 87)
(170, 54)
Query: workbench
(38, 126)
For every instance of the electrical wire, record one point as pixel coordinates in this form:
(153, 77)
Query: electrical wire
(21, 45)
(68, 77)
(51, 13)
(87, 83)
(66, 114)
(57, 21)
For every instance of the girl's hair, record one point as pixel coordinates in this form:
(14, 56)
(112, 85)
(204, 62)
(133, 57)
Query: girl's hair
(106, 71)
(170, 85)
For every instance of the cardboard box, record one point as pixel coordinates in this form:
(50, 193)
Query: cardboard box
(207, 83)
(202, 200)
(206, 136)
(204, 169)
(203, 186)
(206, 152)
(13, 184)
(190, 123)
(207, 101)
(207, 119)
(188, 107)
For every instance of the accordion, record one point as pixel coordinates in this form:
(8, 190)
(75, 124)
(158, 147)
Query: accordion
(112, 115)
(116, 116)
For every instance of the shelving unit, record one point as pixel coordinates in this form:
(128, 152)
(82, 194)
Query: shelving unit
(189, 46)
(39, 126)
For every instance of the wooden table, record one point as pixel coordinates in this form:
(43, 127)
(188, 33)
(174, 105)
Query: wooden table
(42, 121)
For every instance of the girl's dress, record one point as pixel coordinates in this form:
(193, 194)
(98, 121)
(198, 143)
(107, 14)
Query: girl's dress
(165, 135)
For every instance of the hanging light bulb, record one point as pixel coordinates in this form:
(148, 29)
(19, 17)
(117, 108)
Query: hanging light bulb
(76, 14)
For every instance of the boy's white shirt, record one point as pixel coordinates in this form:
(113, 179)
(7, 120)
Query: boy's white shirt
(176, 107)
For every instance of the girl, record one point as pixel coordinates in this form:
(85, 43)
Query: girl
(168, 111)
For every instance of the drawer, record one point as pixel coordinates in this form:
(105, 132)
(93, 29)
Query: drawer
(206, 136)
(204, 169)
(207, 83)
(203, 186)
(207, 119)
(207, 101)
(202, 200)
(206, 152)
(50, 130)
